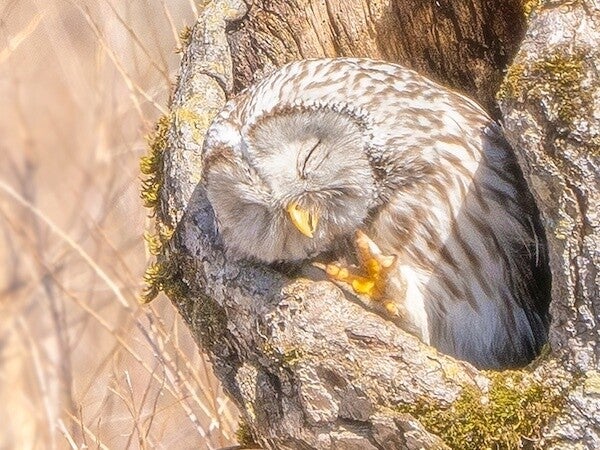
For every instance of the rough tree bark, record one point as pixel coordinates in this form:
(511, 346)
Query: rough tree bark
(307, 367)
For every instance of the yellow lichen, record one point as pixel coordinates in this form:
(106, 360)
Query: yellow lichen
(282, 356)
(510, 87)
(554, 80)
(198, 112)
(244, 435)
(563, 229)
(529, 6)
(591, 384)
(196, 121)
(561, 77)
(292, 356)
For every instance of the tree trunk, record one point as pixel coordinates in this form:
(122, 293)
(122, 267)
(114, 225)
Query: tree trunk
(464, 45)
(309, 368)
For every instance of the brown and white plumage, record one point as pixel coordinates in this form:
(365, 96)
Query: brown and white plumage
(422, 170)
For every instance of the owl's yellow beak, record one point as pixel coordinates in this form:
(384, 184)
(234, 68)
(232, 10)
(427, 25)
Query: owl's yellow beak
(306, 221)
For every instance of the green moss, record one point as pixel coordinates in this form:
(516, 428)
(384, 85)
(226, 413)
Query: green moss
(151, 164)
(157, 277)
(557, 77)
(513, 412)
(164, 276)
(185, 37)
(174, 285)
(153, 243)
(158, 274)
(205, 317)
(244, 435)
(211, 320)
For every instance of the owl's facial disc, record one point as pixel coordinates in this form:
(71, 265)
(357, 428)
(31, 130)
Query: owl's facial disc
(305, 220)
(292, 186)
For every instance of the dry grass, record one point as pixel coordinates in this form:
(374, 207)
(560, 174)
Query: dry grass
(82, 364)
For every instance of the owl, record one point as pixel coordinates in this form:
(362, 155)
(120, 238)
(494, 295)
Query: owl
(406, 192)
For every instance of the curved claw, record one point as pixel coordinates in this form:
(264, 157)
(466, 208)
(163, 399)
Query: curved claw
(372, 259)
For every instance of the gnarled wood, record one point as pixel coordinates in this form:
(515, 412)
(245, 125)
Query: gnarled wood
(310, 368)
(465, 45)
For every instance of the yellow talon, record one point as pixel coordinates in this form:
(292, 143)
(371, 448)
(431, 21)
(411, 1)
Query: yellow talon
(376, 268)
(372, 266)
(332, 270)
(337, 272)
(391, 308)
(364, 286)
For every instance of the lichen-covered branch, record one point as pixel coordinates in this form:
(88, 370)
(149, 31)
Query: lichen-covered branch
(551, 107)
(308, 367)
(205, 78)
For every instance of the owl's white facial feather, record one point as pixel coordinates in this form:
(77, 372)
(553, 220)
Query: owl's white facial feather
(315, 159)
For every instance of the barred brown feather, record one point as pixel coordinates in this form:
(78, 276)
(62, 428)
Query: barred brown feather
(422, 170)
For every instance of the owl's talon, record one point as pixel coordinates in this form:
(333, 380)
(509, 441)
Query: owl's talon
(391, 308)
(371, 257)
(338, 273)
(377, 267)
(361, 285)
(387, 261)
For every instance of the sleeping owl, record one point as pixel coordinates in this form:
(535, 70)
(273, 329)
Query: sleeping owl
(445, 238)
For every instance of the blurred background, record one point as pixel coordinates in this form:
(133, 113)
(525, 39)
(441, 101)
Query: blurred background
(82, 363)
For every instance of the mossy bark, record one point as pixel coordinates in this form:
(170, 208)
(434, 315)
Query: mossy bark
(307, 367)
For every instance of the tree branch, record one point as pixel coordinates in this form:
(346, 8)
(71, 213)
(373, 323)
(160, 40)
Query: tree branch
(308, 367)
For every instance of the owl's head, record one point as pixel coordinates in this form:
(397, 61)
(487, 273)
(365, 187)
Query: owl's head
(289, 184)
